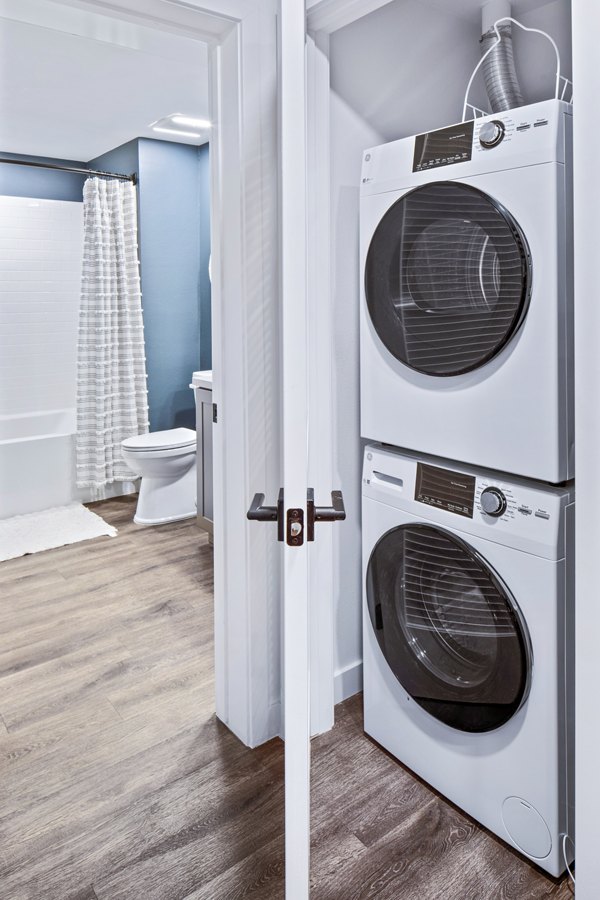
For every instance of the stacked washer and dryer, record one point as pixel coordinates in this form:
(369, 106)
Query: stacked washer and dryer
(467, 365)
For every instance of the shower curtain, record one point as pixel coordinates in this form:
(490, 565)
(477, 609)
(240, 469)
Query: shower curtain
(112, 402)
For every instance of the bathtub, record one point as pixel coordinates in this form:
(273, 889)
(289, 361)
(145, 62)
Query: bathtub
(37, 463)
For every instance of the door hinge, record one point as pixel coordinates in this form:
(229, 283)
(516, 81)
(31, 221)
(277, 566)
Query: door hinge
(214, 413)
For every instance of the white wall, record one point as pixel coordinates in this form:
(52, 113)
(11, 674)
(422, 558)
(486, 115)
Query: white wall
(404, 68)
(41, 244)
(534, 56)
(349, 136)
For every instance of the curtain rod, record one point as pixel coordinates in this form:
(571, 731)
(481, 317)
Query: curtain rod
(39, 165)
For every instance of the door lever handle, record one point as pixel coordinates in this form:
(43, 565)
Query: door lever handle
(260, 513)
(334, 513)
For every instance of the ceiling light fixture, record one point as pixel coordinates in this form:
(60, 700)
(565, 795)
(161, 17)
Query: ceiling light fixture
(177, 131)
(178, 119)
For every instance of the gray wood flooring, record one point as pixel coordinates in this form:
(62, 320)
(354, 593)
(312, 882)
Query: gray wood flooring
(118, 783)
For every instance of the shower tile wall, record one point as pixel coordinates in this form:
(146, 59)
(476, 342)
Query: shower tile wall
(40, 270)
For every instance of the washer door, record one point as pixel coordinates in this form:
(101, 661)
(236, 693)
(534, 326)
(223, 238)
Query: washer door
(447, 278)
(448, 628)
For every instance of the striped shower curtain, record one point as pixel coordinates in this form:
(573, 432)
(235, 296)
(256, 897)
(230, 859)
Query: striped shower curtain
(112, 402)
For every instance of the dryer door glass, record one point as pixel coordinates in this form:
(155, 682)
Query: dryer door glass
(447, 278)
(448, 628)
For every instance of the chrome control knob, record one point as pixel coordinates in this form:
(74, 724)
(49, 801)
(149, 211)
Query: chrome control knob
(491, 133)
(493, 502)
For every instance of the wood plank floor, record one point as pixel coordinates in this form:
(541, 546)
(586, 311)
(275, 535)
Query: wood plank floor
(118, 783)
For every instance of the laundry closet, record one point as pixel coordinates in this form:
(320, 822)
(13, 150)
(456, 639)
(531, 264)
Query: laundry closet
(473, 489)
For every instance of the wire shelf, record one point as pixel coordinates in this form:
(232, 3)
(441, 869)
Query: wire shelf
(563, 86)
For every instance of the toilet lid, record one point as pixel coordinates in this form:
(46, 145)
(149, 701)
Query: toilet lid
(161, 440)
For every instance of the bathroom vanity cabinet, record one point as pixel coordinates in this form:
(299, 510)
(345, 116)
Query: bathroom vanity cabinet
(202, 386)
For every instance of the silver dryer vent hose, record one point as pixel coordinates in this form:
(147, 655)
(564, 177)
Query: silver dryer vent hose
(501, 81)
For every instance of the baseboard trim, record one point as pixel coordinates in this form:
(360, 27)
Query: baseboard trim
(347, 682)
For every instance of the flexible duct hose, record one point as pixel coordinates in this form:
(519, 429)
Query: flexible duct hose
(501, 81)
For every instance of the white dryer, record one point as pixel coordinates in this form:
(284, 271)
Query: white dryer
(468, 640)
(466, 309)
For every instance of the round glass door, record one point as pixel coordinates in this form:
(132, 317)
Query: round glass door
(448, 628)
(447, 278)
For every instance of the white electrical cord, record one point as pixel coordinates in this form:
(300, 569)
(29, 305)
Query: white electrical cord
(466, 103)
(565, 838)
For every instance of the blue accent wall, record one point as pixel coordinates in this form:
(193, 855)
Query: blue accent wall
(170, 254)
(174, 242)
(41, 184)
(124, 160)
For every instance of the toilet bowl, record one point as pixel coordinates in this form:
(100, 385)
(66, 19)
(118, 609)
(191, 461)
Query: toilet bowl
(166, 461)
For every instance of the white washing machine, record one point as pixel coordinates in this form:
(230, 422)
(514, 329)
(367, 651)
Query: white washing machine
(468, 640)
(466, 310)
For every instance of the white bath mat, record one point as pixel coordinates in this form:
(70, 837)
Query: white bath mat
(50, 528)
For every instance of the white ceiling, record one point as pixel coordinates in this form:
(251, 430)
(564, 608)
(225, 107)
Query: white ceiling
(80, 84)
(468, 8)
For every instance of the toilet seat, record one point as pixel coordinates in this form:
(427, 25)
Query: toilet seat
(156, 441)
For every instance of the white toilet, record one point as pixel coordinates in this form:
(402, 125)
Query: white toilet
(166, 460)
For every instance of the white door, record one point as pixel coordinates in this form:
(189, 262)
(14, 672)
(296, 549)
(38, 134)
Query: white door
(296, 635)
(297, 515)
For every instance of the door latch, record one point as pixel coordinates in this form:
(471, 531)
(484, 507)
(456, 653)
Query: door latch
(260, 513)
(290, 525)
(334, 513)
(295, 527)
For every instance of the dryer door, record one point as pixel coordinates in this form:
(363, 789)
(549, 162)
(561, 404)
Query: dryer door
(447, 278)
(448, 627)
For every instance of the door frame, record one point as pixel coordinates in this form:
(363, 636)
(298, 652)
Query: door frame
(242, 43)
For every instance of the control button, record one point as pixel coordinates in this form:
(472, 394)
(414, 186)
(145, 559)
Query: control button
(524, 127)
(493, 502)
(542, 514)
(540, 122)
(491, 133)
(525, 510)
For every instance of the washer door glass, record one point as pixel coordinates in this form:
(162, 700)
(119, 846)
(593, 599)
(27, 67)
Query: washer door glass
(448, 628)
(447, 278)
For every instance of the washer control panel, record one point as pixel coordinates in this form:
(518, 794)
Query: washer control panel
(466, 495)
(515, 512)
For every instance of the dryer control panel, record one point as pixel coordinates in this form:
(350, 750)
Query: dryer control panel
(496, 506)
(526, 136)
